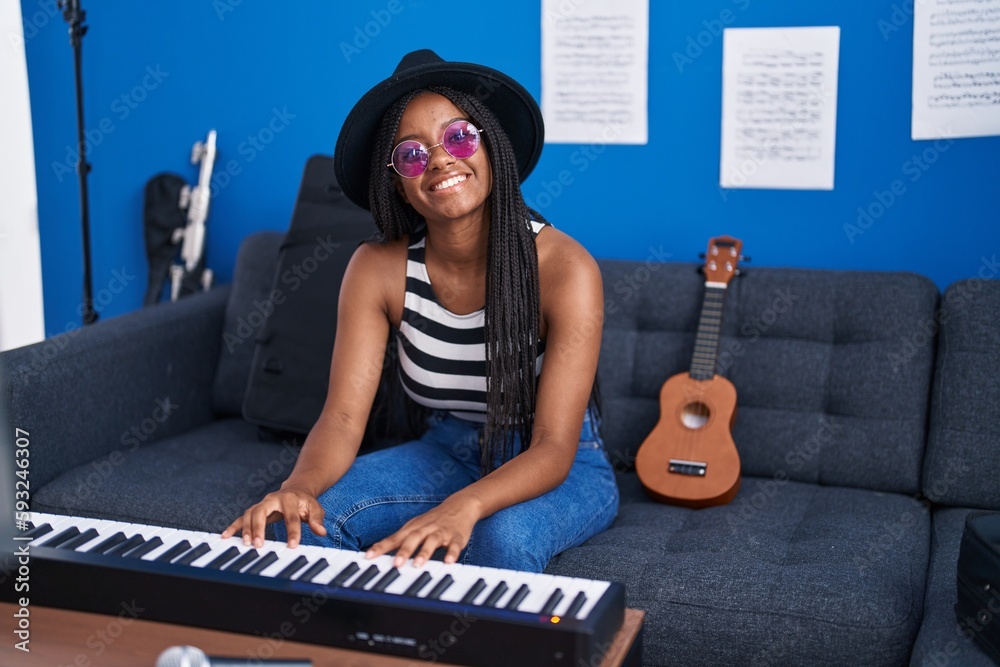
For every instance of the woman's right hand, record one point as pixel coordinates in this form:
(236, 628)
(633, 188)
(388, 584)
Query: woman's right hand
(295, 505)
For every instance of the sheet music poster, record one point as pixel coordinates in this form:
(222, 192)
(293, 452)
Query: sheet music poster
(956, 68)
(594, 71)
(779, 107)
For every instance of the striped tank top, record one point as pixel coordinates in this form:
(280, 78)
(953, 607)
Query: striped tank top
(442, 356)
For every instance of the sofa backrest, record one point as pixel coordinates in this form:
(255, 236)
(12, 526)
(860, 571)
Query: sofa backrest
(962, 466)
(832, 368)
(246, 312)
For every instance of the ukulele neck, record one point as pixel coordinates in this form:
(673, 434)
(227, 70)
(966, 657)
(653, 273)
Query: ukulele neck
(706, 342)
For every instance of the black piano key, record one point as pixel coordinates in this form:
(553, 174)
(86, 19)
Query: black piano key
(345, 574)
(173, 552)
(61, 537)
(365, 577)
(38, 531)
(474, 591)
(223, 558)
(241, 562)
(126, 546)
(193, 555)
(495, 594)
(261, 563)
(292, 568)
(519, 595)
(391, 575)
(440, 587)
(144, 548)
(550, 604)
(418, 584)
(81, 539)
(575, 605)
(314, 569)
(108, 544)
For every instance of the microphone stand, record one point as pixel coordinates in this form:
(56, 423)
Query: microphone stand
(75, 16)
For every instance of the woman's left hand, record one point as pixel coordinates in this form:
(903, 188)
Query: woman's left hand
(447, 525)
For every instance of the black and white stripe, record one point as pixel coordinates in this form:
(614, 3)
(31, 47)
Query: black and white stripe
(443, 355)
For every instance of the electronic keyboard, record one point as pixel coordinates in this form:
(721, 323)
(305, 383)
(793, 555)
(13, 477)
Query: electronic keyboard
(450, 613)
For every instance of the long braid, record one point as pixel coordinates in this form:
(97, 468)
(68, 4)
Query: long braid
(511, 324)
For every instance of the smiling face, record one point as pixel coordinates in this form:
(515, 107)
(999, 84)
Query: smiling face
(450, 188)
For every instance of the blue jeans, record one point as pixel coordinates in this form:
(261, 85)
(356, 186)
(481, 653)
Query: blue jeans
(384, 489)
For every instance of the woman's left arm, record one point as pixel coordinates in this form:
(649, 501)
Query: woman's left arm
(572, 313)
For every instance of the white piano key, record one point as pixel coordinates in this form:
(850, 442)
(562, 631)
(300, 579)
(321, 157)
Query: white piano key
(593, 590)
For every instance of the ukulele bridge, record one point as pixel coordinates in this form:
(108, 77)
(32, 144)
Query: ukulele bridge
(682, 467)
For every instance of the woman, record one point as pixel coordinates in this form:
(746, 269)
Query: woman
(497, 318)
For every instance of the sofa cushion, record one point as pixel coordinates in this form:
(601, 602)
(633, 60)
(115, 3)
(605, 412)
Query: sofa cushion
(942, 642)
(788, 573)
(831, 373)
(962, 465)
(201, 480)
(246, 312)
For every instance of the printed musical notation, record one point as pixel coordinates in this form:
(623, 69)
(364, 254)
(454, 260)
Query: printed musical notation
(779, 107)
(956, 68)
(594, 71)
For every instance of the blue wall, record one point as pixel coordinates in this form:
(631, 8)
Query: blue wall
(276, 81)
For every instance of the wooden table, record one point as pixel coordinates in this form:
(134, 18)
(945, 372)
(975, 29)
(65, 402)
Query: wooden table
(62, 638)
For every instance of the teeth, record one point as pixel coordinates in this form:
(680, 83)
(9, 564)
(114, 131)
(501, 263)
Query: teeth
(454, 180)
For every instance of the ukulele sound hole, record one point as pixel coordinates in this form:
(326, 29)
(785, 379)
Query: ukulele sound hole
(695, 415)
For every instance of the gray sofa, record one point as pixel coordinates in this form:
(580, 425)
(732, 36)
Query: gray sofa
(868, 428)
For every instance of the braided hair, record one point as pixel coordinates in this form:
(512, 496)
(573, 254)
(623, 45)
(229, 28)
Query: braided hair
(512, 310)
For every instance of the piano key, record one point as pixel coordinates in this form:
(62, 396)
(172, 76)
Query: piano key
(595, 591)
(261, 563)
(470, 596)
(550, 604)
(61, 537)
(126, 546)
(149, 545)
(422, 580)
(440, 587)
(293, 567)
(495, 594)
(38, 530)
(370, 573)
(518, 597)
(83, 538)
(285, 556)
(314, 569)
(465, 576)
(109, 543)
(390, 576)
(174, 551)
(223, 558)
(349, 571)
(192, 554)
(575, 606)
(248, 557)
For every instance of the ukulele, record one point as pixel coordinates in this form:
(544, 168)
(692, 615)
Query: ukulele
(690, 458)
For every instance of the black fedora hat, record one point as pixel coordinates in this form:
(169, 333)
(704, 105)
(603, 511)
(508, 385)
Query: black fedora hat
(513, 106)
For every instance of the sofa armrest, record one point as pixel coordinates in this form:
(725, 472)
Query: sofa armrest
(116, 384)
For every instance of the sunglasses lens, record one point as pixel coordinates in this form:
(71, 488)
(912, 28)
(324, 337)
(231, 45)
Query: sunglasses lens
(461, 139)
(410, 159)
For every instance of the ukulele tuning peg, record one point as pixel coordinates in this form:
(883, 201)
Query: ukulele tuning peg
(701, 255)
(740, 272)
(745, 258)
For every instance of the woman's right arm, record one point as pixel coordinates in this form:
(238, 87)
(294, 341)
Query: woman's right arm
(355, 371)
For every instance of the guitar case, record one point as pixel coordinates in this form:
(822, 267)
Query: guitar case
(978, 606)
(290, 370)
